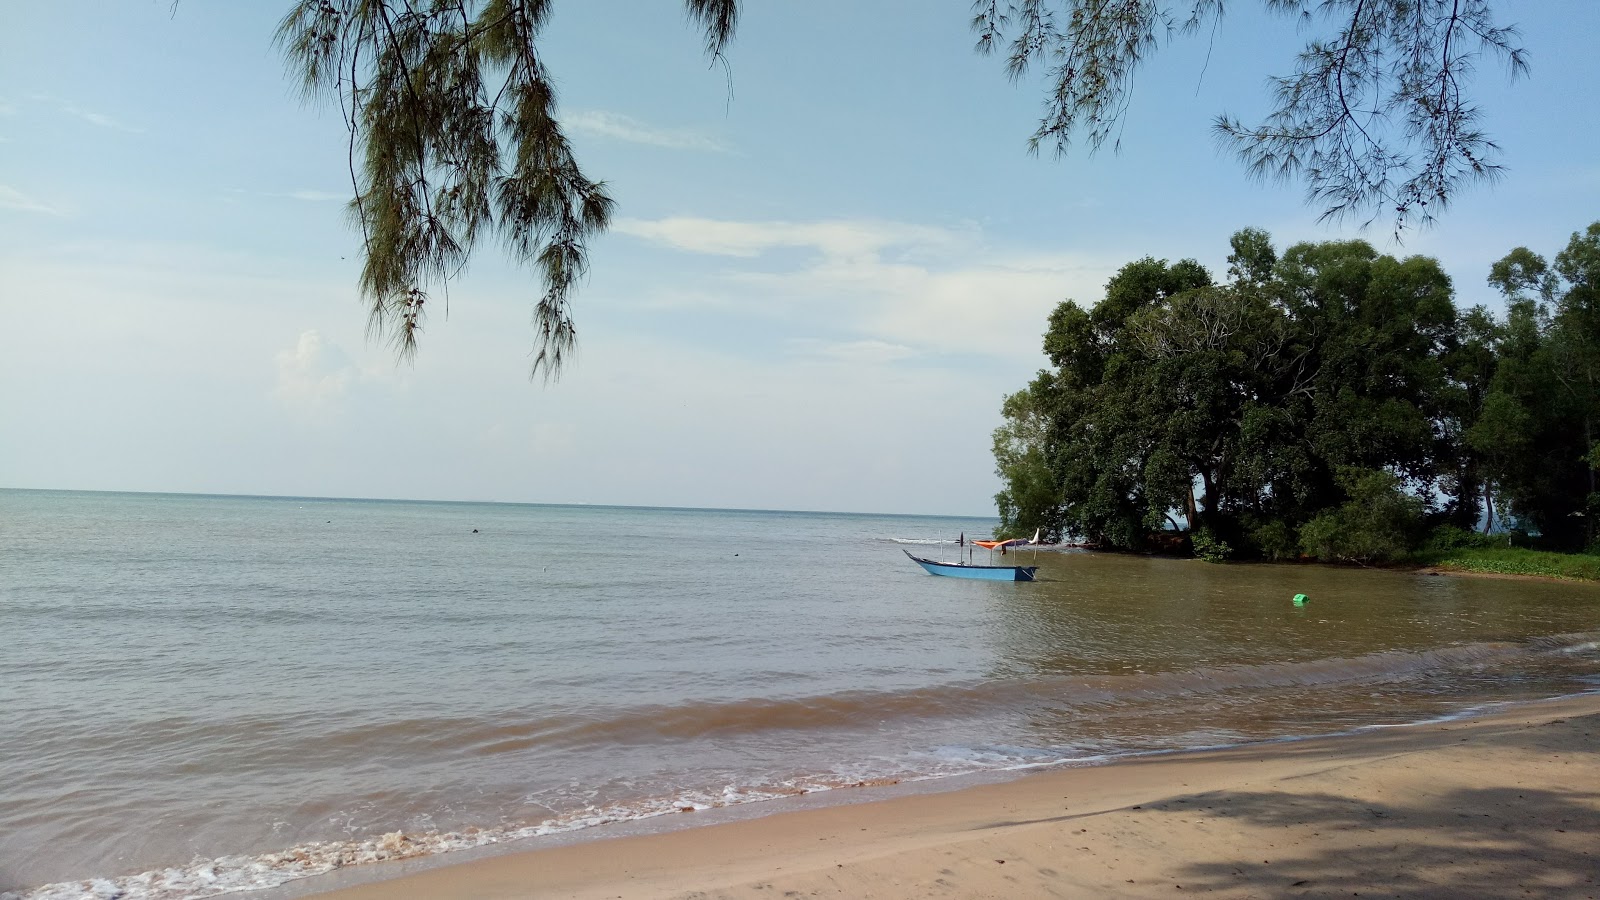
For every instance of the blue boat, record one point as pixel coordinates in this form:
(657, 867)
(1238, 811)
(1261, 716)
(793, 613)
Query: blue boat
(985, 573)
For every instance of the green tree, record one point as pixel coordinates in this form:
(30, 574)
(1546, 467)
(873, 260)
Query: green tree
(1537, 436)
(1576, 345)
(1096, 444)
(1374, 329)
(455, 136)
(1470, 362)
(1029, 498)
(1230, 409)
(1379, 523)
(1501, 442)
(1207, 356)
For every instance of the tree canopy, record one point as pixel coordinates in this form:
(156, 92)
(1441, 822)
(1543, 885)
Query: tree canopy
(1536, 431)
(455, 134)
(1331, 401)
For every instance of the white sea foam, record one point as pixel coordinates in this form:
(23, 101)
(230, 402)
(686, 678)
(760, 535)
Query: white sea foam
(234, 874)
(231, 874)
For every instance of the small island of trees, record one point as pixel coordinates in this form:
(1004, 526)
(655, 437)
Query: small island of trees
(1329, 402)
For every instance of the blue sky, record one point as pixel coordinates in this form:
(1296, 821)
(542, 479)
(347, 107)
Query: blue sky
(829, 264)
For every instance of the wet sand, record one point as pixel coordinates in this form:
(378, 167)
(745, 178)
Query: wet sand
(1501, 805)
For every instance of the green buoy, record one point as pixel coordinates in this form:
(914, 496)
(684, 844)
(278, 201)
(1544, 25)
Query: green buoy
(1300, 599)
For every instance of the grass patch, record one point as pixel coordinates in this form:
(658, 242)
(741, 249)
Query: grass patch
(1514, 561)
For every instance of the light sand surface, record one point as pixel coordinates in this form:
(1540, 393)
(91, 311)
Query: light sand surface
(1502, 805)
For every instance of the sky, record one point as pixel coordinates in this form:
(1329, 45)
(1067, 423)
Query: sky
(830, 261)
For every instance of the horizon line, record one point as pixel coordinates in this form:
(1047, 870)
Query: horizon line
(568, 504)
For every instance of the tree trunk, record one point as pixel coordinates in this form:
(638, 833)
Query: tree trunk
(1211, 500)
(1470, 493)
(1588, 441)
(1588, 511)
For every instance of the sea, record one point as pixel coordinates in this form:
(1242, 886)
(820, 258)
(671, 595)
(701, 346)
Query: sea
(209, 694)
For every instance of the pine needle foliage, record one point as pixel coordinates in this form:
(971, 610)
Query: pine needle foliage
(1375, 119)
(455, 137)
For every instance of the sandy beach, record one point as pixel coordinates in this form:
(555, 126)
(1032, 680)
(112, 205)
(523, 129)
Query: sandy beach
(1505, 804)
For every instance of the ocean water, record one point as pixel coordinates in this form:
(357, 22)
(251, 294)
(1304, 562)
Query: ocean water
(209, 694)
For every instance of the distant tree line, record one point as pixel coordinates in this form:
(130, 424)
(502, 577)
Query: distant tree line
(1328, 401)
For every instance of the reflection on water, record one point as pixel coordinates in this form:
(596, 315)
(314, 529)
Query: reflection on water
(1134, 651)
(1111, 613)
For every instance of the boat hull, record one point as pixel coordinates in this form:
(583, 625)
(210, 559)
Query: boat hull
(980, 573)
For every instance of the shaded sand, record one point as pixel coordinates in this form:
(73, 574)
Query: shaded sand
(1503, 805)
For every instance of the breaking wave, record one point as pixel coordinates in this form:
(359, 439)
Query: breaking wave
(654, 725)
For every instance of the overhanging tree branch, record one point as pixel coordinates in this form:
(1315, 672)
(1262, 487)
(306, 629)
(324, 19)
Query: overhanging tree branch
(454, 119)
(1374, 121)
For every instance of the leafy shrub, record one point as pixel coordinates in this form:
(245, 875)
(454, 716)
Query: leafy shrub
(1378, 524)
(1275, 540)
(1209, 547)
(1448, 537)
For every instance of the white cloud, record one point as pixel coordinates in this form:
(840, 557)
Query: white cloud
(314, 196)
(672, 297)
(780, 431)
(99, 119)
(870, 352)
(995, 308)
(313, 376)
(307, 195)
(840, 238)
(602, 124)
(162, 349)
(11, 198)
(66, 107)
(920, 288)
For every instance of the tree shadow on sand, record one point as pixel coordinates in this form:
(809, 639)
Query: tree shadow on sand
(1489, 842)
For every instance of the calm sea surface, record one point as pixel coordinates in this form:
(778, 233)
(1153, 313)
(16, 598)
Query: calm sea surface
(202, 694)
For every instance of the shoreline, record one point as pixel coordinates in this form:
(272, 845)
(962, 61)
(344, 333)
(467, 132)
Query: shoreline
(1496, 803)
(1448, 572)
(1429, 569)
